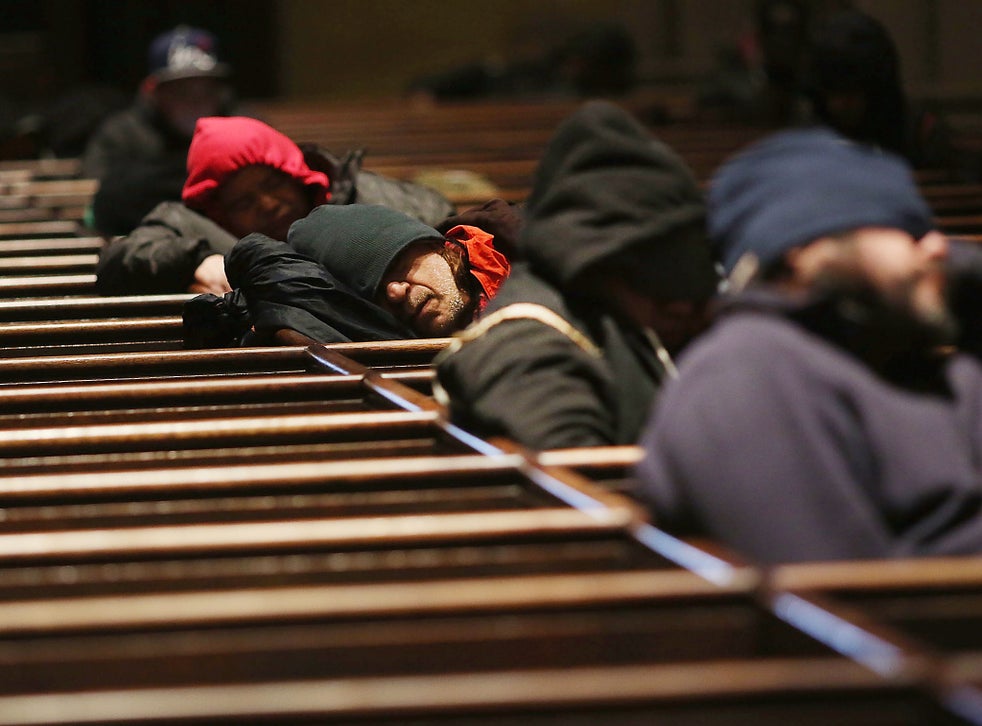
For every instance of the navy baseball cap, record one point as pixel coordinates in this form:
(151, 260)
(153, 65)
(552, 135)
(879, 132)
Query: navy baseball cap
(185, 52)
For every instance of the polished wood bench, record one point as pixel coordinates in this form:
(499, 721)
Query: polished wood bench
(627, 648)
(54, 337)
(14, 247)
(92, 307)
(39, 229)
(386, 356)
(31, 286)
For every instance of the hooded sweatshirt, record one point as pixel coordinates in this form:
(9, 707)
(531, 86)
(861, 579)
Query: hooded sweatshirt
(781, 441)
(222, 146)
(548, 365)
(820, 422)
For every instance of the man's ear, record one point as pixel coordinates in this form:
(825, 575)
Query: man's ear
(934, 245)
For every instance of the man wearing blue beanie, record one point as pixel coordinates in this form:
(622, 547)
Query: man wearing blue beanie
(822, 416)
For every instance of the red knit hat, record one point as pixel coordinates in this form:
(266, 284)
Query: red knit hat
(223, 145)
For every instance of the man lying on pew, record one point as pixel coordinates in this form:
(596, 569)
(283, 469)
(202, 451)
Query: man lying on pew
(820, 418)
(243, 177)
(616, 276)
(354, 273)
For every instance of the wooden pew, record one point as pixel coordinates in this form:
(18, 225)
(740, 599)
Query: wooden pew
(34, 200)
(38, 169)
(37, 264)
(348, 627)
(94, 307)
(688, 649)
(716, 693)
(958, 224)
(47, 286)
(934, 602)
(113, 335)
(609, 466)
(51, 246)
(142, 401)
(385, 356)
(39, 229)
(934, 599)
(652, 621)
(152, 365)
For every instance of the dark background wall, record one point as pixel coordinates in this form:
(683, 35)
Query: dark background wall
(50, 46)
(342, 49)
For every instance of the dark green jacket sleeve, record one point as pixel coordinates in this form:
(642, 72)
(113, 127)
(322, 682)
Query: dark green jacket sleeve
(161, 255)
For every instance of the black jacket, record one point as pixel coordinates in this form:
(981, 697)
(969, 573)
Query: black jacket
(284, 289)
(139, 161)
(562, 372)
(278, 288)
(161, 255)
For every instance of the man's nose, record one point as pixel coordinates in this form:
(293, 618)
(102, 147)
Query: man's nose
(267, 202)
(934, 246)
(397, 291)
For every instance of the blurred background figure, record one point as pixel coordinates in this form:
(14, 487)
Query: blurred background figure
(855, 87)
(596, 61)
(139, 155)
(758, 78)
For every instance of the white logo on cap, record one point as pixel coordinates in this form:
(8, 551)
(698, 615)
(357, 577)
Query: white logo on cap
(184, 57)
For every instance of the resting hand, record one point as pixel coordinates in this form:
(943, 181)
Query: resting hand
(210, 276)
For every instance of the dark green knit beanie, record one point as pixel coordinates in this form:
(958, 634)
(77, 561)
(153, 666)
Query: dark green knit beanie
(357, 242)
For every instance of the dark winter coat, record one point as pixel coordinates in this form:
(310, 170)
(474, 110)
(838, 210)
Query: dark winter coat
(276, 287)
(550, 371)
(161, 255)
(137, 133)
(139, 161)
(788, 446)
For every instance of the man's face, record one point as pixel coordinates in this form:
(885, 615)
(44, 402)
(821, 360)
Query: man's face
(419, 289)
(905, 273)
(676, 322)
(183, 101)
(261, 199)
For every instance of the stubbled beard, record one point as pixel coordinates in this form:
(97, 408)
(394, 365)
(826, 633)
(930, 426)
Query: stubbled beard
(458, 312)
(884, 324)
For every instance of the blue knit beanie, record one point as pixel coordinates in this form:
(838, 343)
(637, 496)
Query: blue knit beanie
(796, 186)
